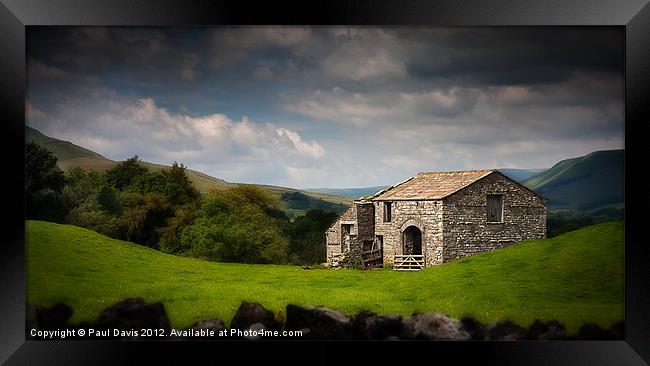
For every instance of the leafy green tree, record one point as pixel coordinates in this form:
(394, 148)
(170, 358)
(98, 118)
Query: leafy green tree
(82, 186)
(124, 173)
(142, 223)
(173, 183)
(146, 183)
(247, 194)
(312, 248)
(92, 202)
(93, 218)
(43, 184)
(179, 187)
(78, 187)
(107, 199)
(170, 236)
(237, 225)
(307, 235)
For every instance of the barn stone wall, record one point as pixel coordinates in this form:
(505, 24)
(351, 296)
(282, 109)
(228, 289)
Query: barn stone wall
(426, 215)
(345, 250)
(466, 230)
(337, 244)
(365, 213)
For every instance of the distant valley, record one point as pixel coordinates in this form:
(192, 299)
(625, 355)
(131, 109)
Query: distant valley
(353, 193)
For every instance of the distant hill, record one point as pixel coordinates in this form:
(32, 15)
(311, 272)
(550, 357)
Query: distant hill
(588, 183)
(520, 175)
(63, 150)
(70, 156)
(353, 193)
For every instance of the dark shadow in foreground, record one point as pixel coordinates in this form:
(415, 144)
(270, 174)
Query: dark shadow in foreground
(135, 319)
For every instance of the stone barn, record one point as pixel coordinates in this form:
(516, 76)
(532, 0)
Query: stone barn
(436, 217)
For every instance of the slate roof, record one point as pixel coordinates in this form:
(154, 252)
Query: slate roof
(430, 186)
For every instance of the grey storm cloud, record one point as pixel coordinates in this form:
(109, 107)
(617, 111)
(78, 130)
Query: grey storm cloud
(290, 105)
(476, 56)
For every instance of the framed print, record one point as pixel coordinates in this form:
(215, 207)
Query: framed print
(408, 177)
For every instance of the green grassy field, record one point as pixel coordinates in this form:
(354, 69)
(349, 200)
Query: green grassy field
(575, 278)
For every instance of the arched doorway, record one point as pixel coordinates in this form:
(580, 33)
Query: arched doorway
(412, 241)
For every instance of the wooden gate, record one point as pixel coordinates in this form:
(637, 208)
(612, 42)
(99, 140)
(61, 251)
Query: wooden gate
(408, 262)
(372, 258)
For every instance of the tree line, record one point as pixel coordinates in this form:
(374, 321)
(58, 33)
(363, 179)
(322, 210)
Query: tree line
(162, 210)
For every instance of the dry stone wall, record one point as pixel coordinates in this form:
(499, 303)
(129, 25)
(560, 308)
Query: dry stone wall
(251, 319)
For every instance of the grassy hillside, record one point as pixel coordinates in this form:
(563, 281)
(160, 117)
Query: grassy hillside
(63, 150)
(587, 183)
(575, 278)
(70, 156)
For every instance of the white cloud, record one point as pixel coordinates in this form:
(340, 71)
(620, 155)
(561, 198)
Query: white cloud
(120, 128)
(215, 131)
(211, 127)
(312, 149)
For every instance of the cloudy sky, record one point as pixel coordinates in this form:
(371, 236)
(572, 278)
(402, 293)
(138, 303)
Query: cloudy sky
(329, 106)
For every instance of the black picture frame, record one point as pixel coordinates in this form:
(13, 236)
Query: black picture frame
(15, 15)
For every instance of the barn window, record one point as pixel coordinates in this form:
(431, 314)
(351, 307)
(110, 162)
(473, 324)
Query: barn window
(346, 228)
(387, 211)
(380, 241)
(368, 245)
(495, 208)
